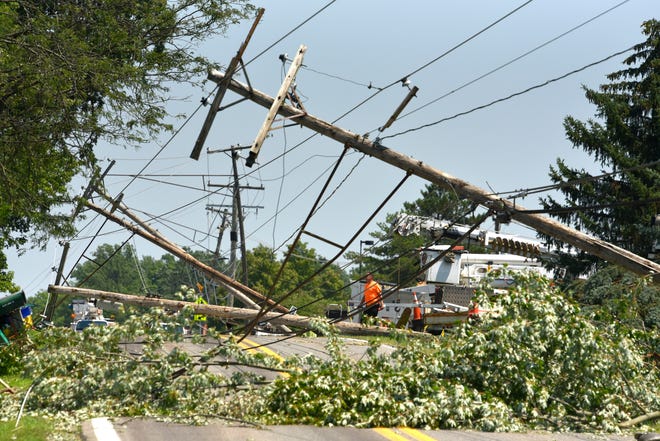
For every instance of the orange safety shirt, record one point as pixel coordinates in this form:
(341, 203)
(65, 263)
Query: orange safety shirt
(372, 292)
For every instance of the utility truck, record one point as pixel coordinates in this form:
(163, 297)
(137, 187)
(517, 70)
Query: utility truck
(86, 313)
(444, 295)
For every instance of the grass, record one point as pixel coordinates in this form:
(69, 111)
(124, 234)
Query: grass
(29, 429)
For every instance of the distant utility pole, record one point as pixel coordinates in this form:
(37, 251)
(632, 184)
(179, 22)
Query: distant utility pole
(237, 225)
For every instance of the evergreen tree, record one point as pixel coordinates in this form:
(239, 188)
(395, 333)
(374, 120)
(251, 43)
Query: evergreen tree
(438, 203)
(624, 140)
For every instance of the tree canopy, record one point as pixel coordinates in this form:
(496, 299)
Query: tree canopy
(624, 140)
(74, 72)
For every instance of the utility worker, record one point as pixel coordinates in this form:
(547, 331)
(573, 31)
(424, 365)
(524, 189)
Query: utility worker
(373, 302)
(417, 321)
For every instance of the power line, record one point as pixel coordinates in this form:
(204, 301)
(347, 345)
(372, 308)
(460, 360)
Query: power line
(444, 54)
(462, 43)
(164, 175)
(502, 66)
(291, 31)
(545, 188)
(513, 95)
(591, 207)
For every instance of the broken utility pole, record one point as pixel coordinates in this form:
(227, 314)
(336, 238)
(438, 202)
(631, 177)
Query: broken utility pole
(275, 106)
(595, 246)
(223, 312)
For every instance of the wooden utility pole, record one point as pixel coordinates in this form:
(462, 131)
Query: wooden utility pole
(52, 299)
(592, 245)
(238, 214)
(223, 312)
(246, 294)
(221, 230)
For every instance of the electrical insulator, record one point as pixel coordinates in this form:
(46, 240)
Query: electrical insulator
(513, 246)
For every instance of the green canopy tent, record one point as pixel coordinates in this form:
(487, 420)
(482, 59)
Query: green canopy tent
(10, 312)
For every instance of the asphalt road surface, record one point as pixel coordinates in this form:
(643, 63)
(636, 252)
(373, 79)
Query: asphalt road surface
(101, 429)
(130, 429)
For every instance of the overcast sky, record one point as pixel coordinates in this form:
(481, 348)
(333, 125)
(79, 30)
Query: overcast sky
(351, 45)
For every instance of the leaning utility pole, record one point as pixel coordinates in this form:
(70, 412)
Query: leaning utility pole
(51, 303)
(246, 294)
(592, 245)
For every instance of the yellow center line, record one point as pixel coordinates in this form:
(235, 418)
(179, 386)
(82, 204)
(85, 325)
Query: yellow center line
(254, 346)
(414, 433)
(389, 434)
(264, 349)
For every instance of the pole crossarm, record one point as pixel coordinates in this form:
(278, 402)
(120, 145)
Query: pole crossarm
(589, 244)
(222, 88)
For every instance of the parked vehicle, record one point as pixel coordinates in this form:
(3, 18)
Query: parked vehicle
(86, 313)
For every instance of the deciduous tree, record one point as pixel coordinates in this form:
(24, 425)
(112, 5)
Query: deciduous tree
(74, 72)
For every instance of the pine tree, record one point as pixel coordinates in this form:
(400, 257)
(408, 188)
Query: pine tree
(624, 139)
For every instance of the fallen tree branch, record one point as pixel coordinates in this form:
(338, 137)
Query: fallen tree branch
(639, 419)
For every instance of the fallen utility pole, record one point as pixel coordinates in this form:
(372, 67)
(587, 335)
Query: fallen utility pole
(222, 312)
(244, 293)
(592, 245)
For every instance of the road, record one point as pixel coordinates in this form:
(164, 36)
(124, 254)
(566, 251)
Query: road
(130, 429)
(271, 345)
(125, 429)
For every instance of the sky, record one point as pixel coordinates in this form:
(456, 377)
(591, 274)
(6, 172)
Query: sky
(461, 56)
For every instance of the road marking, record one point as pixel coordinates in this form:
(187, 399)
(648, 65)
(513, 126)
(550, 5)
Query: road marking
(263, 349)
(254, 346)
(103, 430)
(389, 434)
(392, 434)
(414, 433)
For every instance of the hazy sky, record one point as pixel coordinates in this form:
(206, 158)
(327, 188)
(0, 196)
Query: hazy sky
(350, 45)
